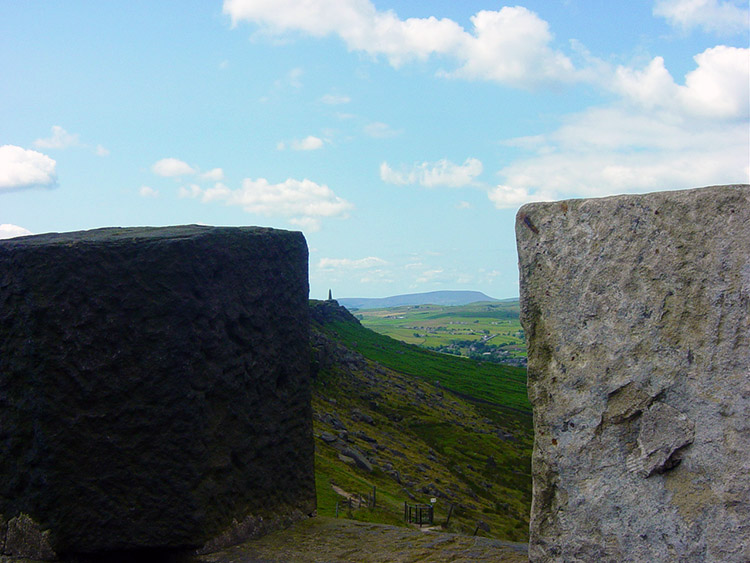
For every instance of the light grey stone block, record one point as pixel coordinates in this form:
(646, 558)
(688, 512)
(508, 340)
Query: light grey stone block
(637, 314)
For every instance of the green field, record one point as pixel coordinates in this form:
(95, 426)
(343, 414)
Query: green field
(486, 331)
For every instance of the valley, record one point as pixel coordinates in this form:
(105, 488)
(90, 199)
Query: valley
(486, 331)
(413, 426)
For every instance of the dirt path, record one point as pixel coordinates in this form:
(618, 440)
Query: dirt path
(331, 540)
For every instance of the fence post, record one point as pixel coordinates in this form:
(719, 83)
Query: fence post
(450, 511)
(337, 509)
(374, 492)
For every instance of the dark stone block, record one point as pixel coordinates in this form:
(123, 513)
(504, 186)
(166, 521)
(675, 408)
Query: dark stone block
(154, 385)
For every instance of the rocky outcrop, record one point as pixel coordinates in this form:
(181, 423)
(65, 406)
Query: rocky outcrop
(637, 314)
(154, 388)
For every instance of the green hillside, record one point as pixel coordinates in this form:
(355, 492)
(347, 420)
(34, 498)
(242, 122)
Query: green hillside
(488, 331)
(417, 425)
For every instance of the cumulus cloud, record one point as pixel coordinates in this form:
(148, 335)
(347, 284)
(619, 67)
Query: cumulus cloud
(11, 231)
(172, 167)
(309, 143)
(720, 16)
(303, 202)
(510, 46)
(717, 88)
(191, 192)
(148, 192)
(442, 173)
(605, 151)
(507, 197)
(660, 135)
(24, 168)
(213, 175)
(60, 139)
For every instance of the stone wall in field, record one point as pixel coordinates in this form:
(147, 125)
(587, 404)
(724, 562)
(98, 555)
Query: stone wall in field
(154, 389)
(637, 314)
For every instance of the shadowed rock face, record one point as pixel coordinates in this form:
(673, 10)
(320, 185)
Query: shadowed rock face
(154, 387)
(637, 312)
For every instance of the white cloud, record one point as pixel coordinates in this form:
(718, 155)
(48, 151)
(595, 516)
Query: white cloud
(430, 275)
(335, 99)
(717, 88)
(506, 196)
(378, 130)
(720, 86)
(434, 174)
(23, 168)
(60, 139)
(172, 167)
(661, 135)
(719, 16)
(510, 46)
(11, 231)
(605, 151)
(192, 192)
(213, 175)
(148, 192)
(350, 264)
(309, 143)
(304, 202)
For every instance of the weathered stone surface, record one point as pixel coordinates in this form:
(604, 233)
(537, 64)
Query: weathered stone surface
(24, 538)
(637, 314)
(154, 385)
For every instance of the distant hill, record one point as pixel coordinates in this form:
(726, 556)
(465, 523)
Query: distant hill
(448, 298)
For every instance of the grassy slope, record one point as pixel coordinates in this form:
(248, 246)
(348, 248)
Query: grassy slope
(432, 326)
(466, 442)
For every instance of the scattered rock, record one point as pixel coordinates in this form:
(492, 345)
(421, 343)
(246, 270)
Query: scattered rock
(24, 538)
(362, 436)
(359, 458)
(327, 437)
(395, 475)
(359, 415)
(332, 420)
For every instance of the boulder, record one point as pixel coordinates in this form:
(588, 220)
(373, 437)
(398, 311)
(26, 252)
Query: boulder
(154, 387)
(637, 313)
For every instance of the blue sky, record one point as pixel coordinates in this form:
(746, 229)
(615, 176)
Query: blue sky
(400, 136)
